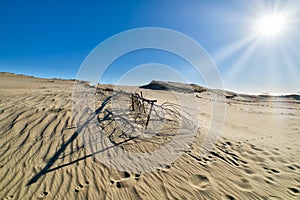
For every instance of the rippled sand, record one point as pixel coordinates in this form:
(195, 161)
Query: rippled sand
(42, 154)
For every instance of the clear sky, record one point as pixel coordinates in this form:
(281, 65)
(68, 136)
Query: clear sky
(255, 44)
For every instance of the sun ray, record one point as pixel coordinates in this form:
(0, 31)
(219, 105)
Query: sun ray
(291, 67)
(232, 48)
(238, 66)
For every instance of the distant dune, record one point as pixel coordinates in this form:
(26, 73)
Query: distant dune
(178, 87)
(45, 155)
(194, 88)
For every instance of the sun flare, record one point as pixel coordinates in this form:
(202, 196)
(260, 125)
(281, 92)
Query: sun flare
(271, 25)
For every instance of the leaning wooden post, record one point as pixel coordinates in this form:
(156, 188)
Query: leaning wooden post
(143, 104)
(148, 118)
(132, 102)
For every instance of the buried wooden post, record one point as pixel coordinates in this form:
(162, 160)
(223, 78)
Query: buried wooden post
(149, 114)
(143, 105)
(137, 100)
(132, 102)
(148, 117)
(140, 101)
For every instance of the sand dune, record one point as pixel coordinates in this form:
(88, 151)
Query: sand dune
(44, 155)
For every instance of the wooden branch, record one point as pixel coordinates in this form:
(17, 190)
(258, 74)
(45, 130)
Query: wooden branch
(138, 103)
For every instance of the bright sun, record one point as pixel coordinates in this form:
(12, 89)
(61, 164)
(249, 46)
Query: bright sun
(271, 25)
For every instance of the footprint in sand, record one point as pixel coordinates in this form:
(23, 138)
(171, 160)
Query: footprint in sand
(44, 194)
(164, 168)
(199, 181)
(81, 186)
(118, 184)
(125, 180)
(125, 175)
(137, 176)
(9, 197)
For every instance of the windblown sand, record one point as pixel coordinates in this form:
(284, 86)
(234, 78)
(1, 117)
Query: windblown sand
(43, 156)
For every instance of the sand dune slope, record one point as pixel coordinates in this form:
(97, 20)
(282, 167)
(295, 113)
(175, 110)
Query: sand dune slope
(42, 155)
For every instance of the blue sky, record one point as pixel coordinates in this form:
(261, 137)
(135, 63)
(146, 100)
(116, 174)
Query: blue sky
(52, 38)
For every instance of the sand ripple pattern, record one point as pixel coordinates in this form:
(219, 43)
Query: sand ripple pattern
(42, 156)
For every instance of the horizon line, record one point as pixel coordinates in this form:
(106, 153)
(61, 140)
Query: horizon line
(131, 85)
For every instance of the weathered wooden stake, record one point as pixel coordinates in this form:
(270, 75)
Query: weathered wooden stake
(132, 102)
(148, 118)
(139, 100)
(143, 105)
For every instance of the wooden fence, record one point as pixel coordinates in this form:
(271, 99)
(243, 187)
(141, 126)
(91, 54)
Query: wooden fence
(138, 104)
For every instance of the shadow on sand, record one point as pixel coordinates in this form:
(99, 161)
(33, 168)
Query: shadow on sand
(63, 147)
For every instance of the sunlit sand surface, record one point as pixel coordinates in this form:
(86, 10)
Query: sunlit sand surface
(42, 155)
